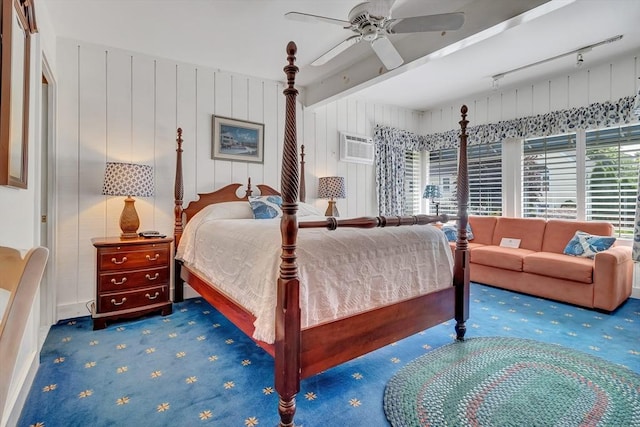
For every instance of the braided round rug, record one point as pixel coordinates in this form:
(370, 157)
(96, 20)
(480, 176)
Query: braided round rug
(512, 382)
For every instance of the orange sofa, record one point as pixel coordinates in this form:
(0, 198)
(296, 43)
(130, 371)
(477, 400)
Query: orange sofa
(539, 267)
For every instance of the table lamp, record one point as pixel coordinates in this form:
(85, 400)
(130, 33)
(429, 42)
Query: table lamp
(128, 179)
(330, 187)
(432, 191)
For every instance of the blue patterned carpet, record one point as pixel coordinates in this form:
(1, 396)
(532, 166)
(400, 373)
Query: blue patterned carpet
(194, 368)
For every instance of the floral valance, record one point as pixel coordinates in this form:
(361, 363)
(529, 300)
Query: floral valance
(595, 116)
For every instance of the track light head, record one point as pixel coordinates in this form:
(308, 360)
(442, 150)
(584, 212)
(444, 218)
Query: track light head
(579, 60)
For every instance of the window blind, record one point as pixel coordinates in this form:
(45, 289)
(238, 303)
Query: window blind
(485, 179)
(612, 177)
(443, 171)
(412, 184)
(549, 184)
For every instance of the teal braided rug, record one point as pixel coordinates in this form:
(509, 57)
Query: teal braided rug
(499, 381)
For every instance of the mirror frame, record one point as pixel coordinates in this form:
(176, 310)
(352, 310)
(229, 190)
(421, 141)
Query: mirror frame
(18, 20)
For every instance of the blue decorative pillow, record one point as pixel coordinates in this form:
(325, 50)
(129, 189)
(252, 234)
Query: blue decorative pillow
(586, 245)
(266, 207)
(451, 232)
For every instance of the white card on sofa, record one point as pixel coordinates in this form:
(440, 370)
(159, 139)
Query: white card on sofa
(509, 242)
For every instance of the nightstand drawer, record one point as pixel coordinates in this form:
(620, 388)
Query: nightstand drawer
(131, 299)
(143, 256)
(124, 280)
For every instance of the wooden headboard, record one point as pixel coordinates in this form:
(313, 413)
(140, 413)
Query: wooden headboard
(228, 193)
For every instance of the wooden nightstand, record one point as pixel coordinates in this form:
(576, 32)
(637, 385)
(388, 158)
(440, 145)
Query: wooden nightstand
(132, 278)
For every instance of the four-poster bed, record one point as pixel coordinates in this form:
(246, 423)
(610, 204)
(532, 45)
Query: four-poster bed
(301, 350)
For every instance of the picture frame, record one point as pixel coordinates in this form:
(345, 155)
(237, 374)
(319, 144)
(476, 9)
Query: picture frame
(237, 140)
(18, 23)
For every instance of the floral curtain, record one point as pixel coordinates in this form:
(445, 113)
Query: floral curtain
(392, 143)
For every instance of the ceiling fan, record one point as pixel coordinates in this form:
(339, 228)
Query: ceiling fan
(372, 22)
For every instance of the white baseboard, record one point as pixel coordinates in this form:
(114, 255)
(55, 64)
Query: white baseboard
(18, 400)
(71, 311)
(635, 293)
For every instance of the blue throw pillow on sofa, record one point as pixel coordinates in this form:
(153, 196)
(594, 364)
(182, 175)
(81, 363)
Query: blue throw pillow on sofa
(451, 232)
(587, 245)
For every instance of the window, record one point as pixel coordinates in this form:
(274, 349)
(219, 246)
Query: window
(412, 185)
(485, 179)
(443, 170)
(549, 183)
(611, 170)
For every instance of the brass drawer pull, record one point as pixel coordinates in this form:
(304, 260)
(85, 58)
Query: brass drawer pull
(113, 301)
(124, 279)
(154, 258)
(153, 297)
(124, 259)
(152, 278)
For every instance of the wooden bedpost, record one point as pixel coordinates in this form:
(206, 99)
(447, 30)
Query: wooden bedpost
(303, 191)
(178, 191)
(287, 340)
(461, 264)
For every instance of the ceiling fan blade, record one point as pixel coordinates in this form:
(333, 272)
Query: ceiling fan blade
(418, 24)
(307, 17)
(387, 53)
(336, 50)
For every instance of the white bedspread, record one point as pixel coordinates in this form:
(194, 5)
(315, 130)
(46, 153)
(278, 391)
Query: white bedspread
(342, 272)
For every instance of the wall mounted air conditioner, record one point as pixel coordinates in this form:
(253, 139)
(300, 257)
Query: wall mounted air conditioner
(356, 148)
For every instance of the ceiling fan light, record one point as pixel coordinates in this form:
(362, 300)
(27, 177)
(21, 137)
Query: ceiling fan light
(387, 53)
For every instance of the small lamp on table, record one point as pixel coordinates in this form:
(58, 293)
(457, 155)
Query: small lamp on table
(332, 187)
(128, 179)
(432, 192)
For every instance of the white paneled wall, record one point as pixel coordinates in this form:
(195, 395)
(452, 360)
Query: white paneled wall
(115, 105)
(605, 82)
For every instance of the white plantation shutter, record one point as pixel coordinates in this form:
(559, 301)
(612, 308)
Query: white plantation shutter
(612, 177)
(412, 184)
(485, 179)
(549, 183)
(443, 170)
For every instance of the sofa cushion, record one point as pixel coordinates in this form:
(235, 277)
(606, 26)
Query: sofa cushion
(496, 256)
(560, 231)
(529, 230)
(559, 266)
(483, 227)
(587, 245)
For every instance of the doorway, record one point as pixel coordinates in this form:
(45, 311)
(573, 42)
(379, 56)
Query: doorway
(48, 302)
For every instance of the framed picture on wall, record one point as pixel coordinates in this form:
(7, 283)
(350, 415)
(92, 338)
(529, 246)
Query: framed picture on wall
(18, 22)
(237, 140)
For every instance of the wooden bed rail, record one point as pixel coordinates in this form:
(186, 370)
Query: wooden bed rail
(332, 223)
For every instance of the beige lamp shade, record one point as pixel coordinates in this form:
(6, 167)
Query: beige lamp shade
(128, 179)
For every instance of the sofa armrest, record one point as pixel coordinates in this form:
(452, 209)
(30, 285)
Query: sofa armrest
(612, 277)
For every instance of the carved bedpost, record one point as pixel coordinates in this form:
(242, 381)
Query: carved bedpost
(178, 294)
(461, 266)
(249, 192)
(287, 344)
(303, 190)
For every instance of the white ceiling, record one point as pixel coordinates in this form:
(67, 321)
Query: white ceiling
(249, 37)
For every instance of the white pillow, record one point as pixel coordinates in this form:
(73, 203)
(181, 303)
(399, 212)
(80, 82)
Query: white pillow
(226, 210)
(305, 209)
